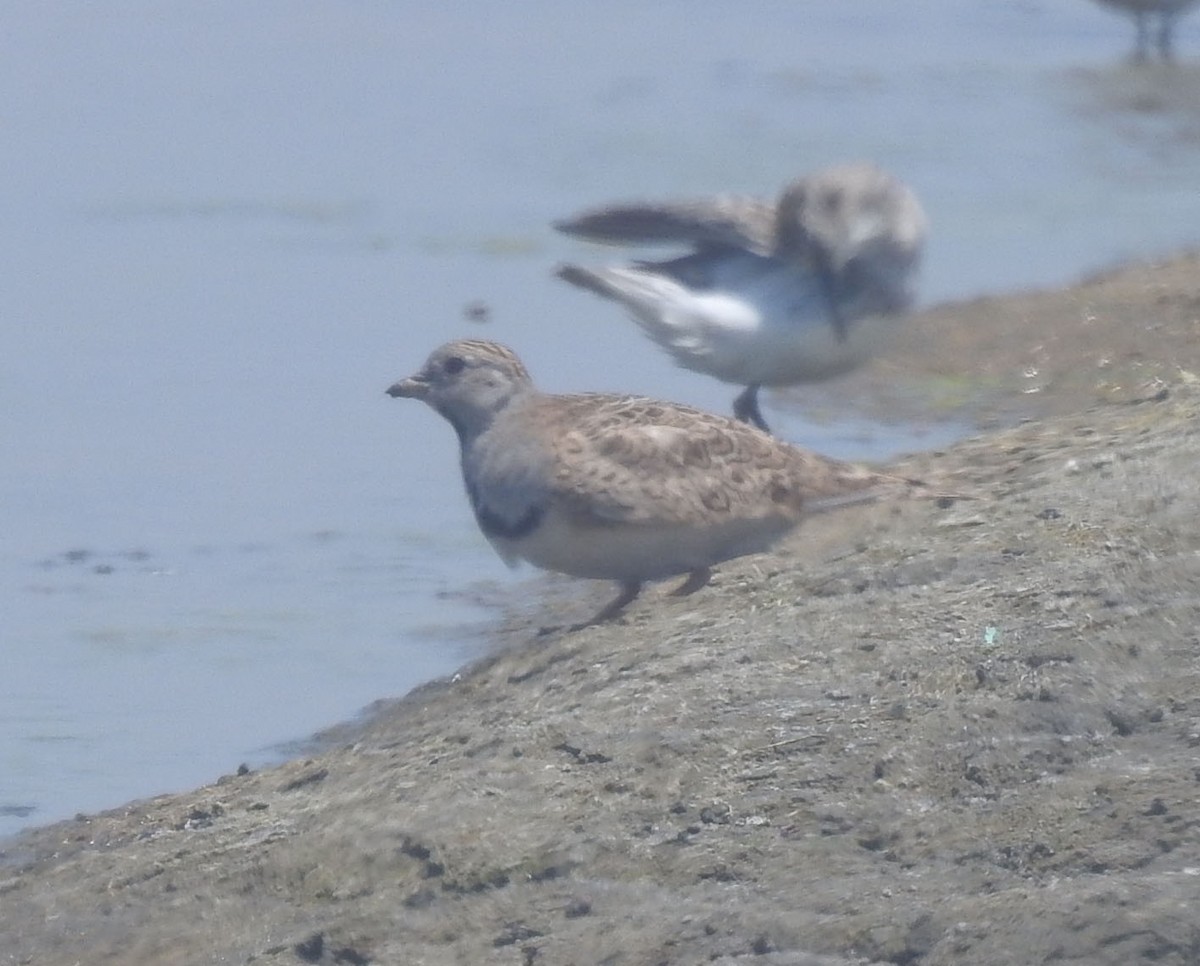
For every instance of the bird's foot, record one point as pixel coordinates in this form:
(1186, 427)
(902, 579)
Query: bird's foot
(745, 408)
(695, 580)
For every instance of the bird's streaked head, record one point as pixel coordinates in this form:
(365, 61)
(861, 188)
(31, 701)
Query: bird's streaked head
(468, 381)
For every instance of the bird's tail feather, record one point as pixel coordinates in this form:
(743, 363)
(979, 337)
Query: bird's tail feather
(587, 279)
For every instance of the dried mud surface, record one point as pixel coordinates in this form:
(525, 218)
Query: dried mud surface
(929, 732)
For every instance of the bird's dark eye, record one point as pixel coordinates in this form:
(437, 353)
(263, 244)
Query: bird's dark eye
(453, 366)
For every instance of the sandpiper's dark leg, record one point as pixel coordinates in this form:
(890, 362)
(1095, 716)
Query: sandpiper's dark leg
(745, 408)
(695, 580)
(629, 590)
(1142, 50)
(1165, 26)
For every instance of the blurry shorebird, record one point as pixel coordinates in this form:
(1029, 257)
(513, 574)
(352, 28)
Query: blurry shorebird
(773, 294)
(620, 487)
(1144, 12)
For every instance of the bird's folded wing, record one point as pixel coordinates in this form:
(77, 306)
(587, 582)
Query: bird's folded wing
(727, 220)
(658, 464)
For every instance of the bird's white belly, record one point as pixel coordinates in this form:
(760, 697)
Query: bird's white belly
(785, 348)
(772, 328)
(621, 551)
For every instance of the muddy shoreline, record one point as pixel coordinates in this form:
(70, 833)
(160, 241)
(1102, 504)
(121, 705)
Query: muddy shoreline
(927, 732)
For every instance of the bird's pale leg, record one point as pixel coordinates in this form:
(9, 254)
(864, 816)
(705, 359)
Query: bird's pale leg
(745, 408)
(695, 580)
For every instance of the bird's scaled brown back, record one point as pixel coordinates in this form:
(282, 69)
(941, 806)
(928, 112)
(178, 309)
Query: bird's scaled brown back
(638, 461)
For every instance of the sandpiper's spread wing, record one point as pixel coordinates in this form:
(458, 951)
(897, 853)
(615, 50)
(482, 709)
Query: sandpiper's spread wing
(642, 462)
(729, 221)
(797, 290)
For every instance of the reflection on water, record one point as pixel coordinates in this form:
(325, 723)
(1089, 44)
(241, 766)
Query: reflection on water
(1153, 111)
(232, 226)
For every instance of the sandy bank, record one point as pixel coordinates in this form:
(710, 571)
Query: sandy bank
(918, 734)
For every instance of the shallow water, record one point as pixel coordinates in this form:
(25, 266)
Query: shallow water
(230, 226)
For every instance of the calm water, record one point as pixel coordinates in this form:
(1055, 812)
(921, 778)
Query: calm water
(229, 226)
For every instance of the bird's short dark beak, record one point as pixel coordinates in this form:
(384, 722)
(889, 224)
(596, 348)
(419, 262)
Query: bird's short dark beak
(411, 388)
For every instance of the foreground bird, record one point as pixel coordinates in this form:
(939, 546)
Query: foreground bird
(1143, 12)
(773, 294)
(618, 487)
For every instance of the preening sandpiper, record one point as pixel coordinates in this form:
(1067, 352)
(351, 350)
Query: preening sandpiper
(772, 294)
(616, 487)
